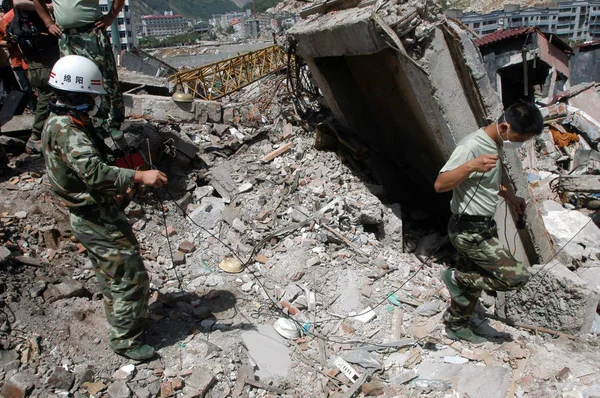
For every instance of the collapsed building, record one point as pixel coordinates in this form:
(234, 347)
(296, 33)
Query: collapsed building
(407, 86)
(403, 85)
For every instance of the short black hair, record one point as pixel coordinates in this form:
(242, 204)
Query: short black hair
(7, 5)
(524, 118)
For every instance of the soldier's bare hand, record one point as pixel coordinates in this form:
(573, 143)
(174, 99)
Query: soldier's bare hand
(484, 163)
(519, 204)
(55, 30)
(105, 22)
(153, 178)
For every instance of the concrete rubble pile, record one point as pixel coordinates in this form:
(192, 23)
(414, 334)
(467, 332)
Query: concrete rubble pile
(339, 292)
(342, 272)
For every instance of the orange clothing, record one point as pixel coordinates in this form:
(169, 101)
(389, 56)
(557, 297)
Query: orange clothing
(16, 58)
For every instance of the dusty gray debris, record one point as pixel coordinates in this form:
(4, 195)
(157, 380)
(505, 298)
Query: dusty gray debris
(201, 380)
(66, 289)
(477, 381)
(5, 254)
(61, 379)
(119, 389)
(371, 213)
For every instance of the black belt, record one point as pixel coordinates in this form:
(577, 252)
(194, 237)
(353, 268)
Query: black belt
(82, 29)
(467, 217)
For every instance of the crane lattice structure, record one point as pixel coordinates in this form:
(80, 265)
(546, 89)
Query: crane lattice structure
(213, 81)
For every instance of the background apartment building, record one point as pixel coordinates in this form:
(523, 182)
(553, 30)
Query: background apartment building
(164, 25)
(571, 20)
(224, 21)
(125, 28)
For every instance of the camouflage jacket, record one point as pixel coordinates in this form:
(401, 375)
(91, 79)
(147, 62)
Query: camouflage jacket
(76, 166)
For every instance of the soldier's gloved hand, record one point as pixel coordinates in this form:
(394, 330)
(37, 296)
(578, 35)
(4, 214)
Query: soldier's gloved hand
(153, 178)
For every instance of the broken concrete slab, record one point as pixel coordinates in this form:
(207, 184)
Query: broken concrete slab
(164, 108)
(555, 298)
(587, 125)
(200, 380)
(18, 124)
(220, 179)
(569, 227)
(67, 289)
(267, 350)
(476, 381)
(209, 213)
(119, 389)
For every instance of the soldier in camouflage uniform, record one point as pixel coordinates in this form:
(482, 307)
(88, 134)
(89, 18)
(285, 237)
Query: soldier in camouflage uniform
(473, 173)
(81, 28)
(40, 58)
(78, 171)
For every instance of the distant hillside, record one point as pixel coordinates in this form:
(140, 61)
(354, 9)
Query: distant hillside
(242, 3)
(261, 5)
(192, 9)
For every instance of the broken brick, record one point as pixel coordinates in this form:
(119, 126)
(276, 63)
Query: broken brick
(261, 258)
(279, 151)
(373, 388)
(262, 215)
(166, 389)
(170, 231)
(187, 247)
(347, 328)
(177, 383)
(51, 238)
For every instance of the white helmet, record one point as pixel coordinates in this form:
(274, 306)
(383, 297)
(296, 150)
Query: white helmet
(77, 74)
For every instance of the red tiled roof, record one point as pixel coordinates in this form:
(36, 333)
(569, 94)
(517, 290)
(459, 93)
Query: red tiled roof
(588, 44)
(502, 35)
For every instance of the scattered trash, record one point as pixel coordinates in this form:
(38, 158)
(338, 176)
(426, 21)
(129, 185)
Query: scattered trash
(287, 328)
(231, 265)
(346, 369)
(455, 360)
(365, 315)
(363, 358)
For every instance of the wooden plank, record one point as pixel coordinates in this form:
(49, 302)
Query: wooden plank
(584, 183)
(282, 149)
(397, 323)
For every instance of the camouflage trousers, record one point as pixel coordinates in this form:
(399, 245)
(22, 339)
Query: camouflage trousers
(96, 46)
(40, 66)
(114, 251)
(482, 263)
(39, 77)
